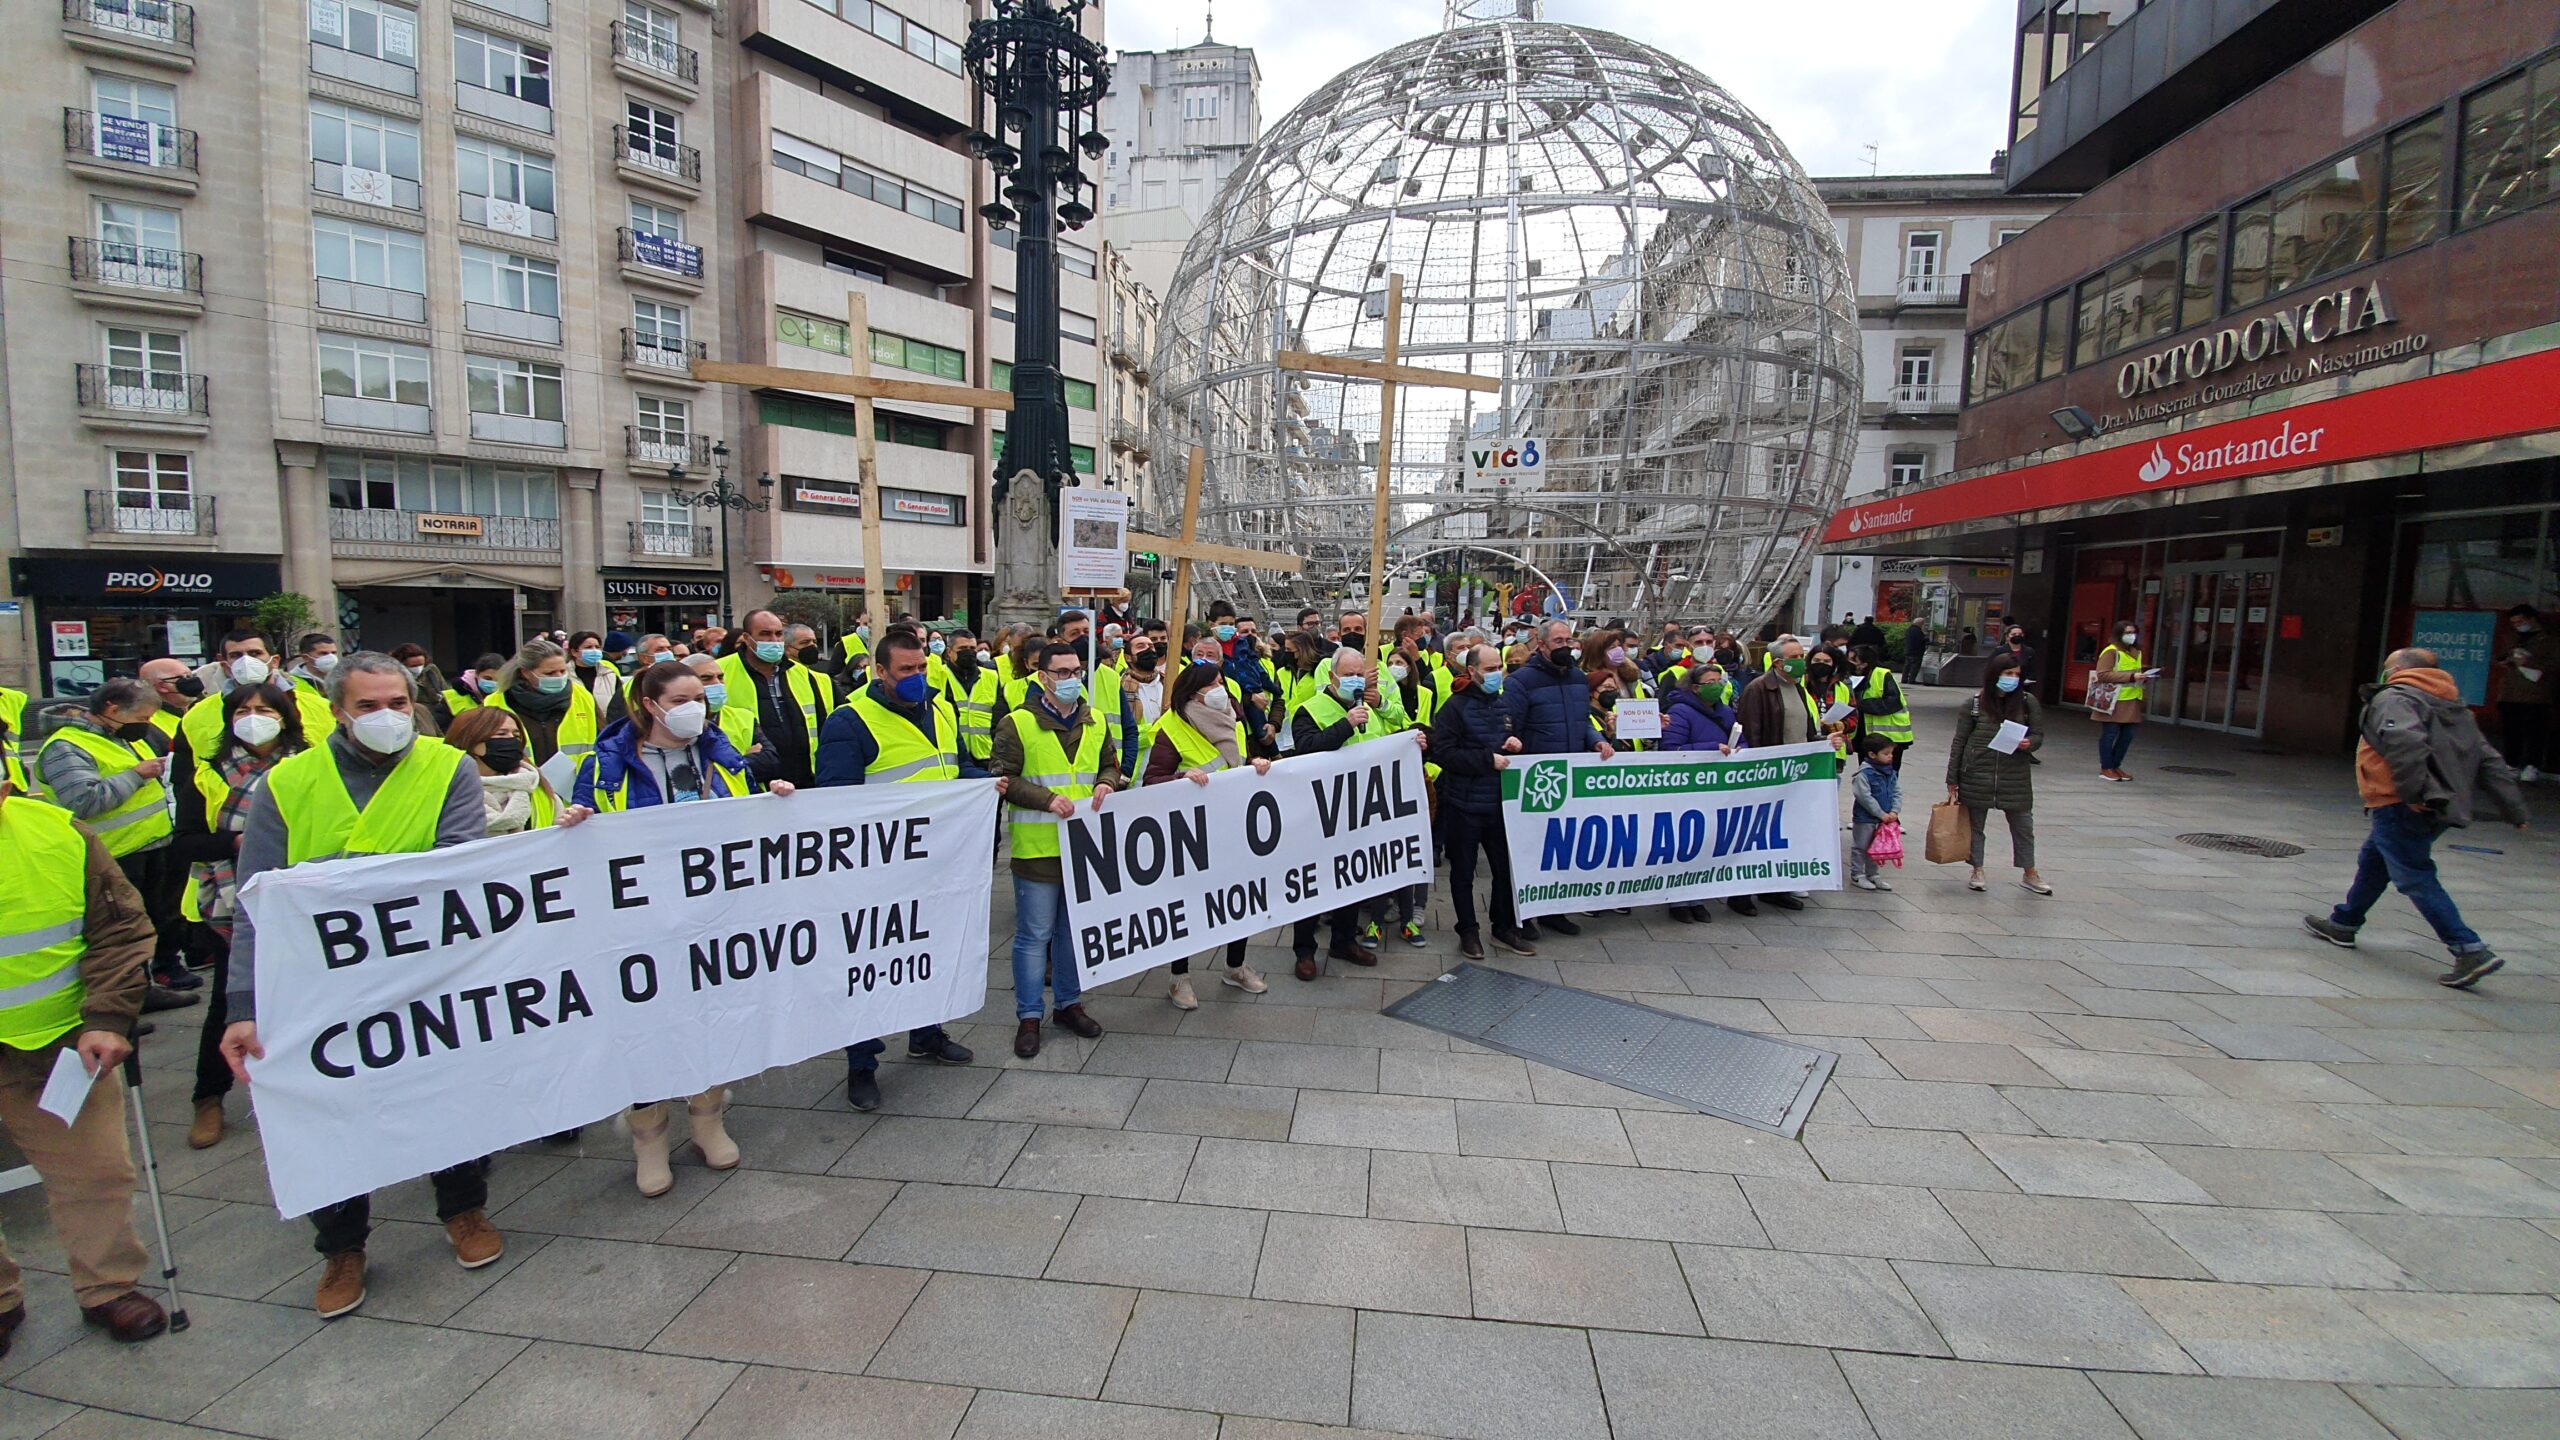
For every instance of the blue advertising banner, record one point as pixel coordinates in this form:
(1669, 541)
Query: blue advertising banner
(121, 137)
(2463, 641)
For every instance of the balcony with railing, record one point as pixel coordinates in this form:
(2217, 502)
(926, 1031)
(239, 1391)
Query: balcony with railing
(662, 163)
(649, 445)
(1924, 399)
(660, 540)
(129, 512)
(137, 276)
(155, 32)
(119, 147)
(1131, 436)
(128, 397)
(655, 258)
(662, 357)
(402, 534)
(644, 55)
(1930, 287)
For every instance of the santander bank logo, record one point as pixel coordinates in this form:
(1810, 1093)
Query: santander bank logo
(1879, 517)
(2155, 469)
(2262, 452)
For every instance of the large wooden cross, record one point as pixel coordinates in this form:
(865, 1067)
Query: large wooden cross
(1188, 549)
(864, 387)
(1389, 375)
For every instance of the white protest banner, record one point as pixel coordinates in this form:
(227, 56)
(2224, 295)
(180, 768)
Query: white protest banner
(419, 1011)
(1655, 829)
(1176, 869)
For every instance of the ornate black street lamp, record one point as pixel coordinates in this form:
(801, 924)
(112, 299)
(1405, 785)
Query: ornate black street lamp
(725, 495)
(1046, 80)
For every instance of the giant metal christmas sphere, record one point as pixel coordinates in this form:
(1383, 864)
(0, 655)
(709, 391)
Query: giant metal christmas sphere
(1627, 249)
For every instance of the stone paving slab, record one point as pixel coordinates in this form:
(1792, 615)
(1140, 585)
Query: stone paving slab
(2139, 1159)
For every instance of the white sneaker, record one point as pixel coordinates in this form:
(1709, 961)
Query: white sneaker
(1182, 997)
(2529, 775)
(1246, 979)
(1861, 882)
(1879, 883)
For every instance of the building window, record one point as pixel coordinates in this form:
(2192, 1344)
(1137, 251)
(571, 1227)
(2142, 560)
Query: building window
(655, 31)
(146, 369)
(1915, 378)
(854, 265)
(658, 326)
(2310, 227)
(919, 355)
(2413, 176)
(1076, 260)
(2200, 274)
(663, 422)
(816, 162)
(2004, 235)
(361, 367)
(361, 481)
(1906, 468)
(1200, 102)
(1079, 392)
(520, 389)
(139, 245)
(1923, 252)
(2135, 301)
(2510, 130)
(653, 135)
(495, 62)
(510, 281)
(363, 140)
(663, 221)
(503, 172)
(1786, 467)
(362, 254)
(381, 30)
(126, 99)
(811, 333)
(154, 492)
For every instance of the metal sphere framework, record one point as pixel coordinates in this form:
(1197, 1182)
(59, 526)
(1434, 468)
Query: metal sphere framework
(1629, 250)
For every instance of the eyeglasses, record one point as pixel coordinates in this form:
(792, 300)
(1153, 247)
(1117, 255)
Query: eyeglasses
(1075, 674)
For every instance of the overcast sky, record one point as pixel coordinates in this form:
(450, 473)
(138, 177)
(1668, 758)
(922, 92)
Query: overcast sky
(1924, 81)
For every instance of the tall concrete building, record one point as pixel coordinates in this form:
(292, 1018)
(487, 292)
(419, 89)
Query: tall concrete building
(1912, 241)
(393, 305)
(1180, 122)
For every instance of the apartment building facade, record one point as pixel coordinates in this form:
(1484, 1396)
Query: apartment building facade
(1912, 240)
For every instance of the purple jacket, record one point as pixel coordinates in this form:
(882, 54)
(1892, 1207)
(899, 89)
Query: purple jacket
(1689, 723)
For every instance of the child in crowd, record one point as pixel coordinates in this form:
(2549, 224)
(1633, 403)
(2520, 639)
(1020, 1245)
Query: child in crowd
(1876, 798)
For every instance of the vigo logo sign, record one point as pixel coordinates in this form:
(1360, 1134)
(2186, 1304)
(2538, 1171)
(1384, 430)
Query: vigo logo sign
(156, 582)
(2315, 321)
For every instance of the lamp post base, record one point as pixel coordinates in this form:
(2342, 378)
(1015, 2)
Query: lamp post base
(1026, 579)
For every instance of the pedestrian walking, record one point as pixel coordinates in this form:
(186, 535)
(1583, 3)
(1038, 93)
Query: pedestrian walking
(1875, 800)
(1915, 648)
(895, 730)
(2120, 672)
(1472, 743)
(1050, 752)
(2421, 764)
(1983, 778)
(2528, 681)
(370, 789)
(74, 944)
(1198, 734)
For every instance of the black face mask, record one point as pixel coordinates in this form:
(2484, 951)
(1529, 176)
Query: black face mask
(139, 730)
(187, 685)
(1142, 660)
(504, 756)
(1818, 672)
(1561, 657)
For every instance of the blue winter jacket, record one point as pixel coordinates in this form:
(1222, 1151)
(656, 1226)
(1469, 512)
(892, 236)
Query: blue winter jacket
(617, 753)
(1689, 723)
(1466, 734)
(1549, 708)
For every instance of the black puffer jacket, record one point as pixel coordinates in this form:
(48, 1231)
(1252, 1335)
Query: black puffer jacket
(1985, 779)
(1465, 736)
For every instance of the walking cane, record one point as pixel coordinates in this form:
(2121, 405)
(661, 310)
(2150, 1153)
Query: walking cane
(151, 1172)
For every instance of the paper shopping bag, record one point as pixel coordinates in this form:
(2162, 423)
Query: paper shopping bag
(1950, 834)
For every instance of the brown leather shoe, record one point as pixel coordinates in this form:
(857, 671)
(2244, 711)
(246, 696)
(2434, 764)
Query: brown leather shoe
(1074, 1018)
(1026, 1039)
(341, 1285)
(10, 1320)
(1307, 967)
(1354, 954)
(129, 1318)
(207, 1131)
(476, 1242)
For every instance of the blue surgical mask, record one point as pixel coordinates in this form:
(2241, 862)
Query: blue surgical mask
(1491, 684)
(769, 651)
(1067, 691)
(1352, 685)
(662, 657)
(488, 686)
(591, 657)
(1226, 632)
(939, 646)
(2007, 683)
(716, 694)
(913, 689)
(552, 684)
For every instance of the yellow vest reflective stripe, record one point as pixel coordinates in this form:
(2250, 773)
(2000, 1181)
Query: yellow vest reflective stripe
(143, 818)
(2123, 660)
(43, 910)
(1329, 712)
(905, 754)
(976, 709)
(579, 724)
(813, 692)
(1034, 833)
(13, 713)
(1198, 751)
(1895, 727)
(321, 820)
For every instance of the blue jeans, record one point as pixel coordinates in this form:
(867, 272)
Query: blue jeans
(2396, 853)
(2113, 741)
(1040, 928)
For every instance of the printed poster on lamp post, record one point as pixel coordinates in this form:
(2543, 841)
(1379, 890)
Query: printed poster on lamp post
(1093, 538)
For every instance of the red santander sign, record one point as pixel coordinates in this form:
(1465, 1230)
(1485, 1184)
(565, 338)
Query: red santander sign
(2486, 402)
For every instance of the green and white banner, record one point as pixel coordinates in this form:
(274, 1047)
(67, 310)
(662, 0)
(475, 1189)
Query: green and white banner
(1656, 829)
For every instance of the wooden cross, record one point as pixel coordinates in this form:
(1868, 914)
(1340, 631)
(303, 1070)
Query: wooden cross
(1187, 548)
(1389, 376)
(864, 388)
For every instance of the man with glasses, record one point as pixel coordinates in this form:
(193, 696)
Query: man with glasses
(1050, 752)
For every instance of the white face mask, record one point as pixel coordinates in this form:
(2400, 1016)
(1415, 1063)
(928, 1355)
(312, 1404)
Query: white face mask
(323, 664)
(249, 670)
(256, 729)
(2126, 638)
(384, 732)
(684, 721)
(1399, 672)
(1219, 701)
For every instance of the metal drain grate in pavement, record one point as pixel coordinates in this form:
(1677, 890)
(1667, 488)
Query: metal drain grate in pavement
(1751, 1079)
(2242, 845)
(2192, 770)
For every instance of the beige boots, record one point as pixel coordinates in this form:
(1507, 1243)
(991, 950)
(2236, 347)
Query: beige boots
(651, 1140)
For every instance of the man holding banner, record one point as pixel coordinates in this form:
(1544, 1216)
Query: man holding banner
(1050, 752)
(1332, 719)
(370, 790)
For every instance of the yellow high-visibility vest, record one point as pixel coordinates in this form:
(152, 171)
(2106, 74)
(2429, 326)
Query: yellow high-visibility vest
(320, 817)
(44, 911)
(142, 819)
(1034, 833)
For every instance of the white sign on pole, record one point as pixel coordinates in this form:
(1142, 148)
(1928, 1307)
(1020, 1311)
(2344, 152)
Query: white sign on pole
(1506, 462)
(1093, 538)
(186, 637)
(1178, 869)
(70, 639)
(419, 1011)
(1656, 829)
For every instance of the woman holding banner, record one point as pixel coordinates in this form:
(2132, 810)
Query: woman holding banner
(1199, 734)
(667, 752)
